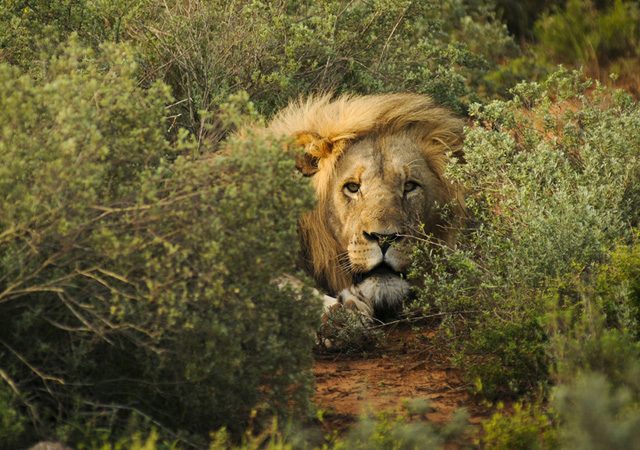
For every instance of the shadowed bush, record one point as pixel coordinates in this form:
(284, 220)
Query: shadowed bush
(135, 277)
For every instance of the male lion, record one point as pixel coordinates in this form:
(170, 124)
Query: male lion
(377, 165)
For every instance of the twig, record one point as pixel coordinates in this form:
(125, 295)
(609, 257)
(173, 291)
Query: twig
(33, 368)
(393, 31)
(148, 417)
(430, 316)
(32, 409)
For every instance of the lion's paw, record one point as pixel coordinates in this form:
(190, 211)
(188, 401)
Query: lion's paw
(352, 300)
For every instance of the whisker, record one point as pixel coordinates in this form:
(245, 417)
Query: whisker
(344, 267)
(344, 264)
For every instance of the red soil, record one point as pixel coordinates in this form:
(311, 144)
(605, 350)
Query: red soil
(408, 366)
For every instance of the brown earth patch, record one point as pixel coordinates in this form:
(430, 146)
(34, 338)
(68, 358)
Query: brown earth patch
(410, 365)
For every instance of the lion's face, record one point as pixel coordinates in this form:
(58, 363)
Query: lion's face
(377, 164)
(382, 192)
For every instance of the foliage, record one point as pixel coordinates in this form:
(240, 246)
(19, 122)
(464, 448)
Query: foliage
(526, 67)
(618, 285)
(592, 328)
(344, 331)
(274, 51)
(551, 179)
(12, 424)
(126, 303)
(29, 26)
(597, 416)
(593, 331)
(136, 276)
(527, 427)
(278, 50)
(403, 429)
(136, 441)
(580, 33)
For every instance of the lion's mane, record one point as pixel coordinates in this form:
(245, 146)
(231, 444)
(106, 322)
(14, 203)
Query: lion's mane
(325, 127)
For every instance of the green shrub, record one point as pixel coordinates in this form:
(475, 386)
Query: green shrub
(618, 285)
(12, 423)
(28, 26)
(551, 185)
(402, 428)
(135, 276)
(596, 416)
(525, 428)
(592, 330)
(581, 33)
(405, 428)
(526, 67)
(279, 50)
(274, 51)
(593, 324)
(593, 346)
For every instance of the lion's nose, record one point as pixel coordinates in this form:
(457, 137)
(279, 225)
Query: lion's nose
(384, 240)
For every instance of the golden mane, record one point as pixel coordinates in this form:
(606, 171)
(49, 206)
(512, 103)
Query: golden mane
(325, 127)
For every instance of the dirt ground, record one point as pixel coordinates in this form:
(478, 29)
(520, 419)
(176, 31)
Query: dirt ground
(408, 365)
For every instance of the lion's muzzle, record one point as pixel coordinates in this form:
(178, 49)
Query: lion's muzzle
(373, 251)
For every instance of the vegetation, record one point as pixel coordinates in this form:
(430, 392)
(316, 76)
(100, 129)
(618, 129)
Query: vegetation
(138, 307)
(551, 179)
(583, 33)
(542, 288)
(124, 257)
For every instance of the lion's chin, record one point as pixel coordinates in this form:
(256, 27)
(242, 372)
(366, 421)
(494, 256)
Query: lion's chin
(385, 289)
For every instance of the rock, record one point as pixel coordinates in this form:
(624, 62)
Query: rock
(47, 445)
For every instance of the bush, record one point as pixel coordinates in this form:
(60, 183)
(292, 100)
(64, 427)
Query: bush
(12, 423)
(618, 285)
(596, 416)
(526, 427)
(136, 277)
(551, 181)
(592, 331)
(403, 429)
(274, 51)
(581, 33)
(279, 50)
(29, 26)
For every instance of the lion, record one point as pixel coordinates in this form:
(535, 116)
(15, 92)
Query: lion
(377, 164)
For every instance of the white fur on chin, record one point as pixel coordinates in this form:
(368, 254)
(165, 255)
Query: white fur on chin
(384, 291)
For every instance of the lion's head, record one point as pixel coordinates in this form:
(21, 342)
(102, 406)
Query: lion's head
(377, 165)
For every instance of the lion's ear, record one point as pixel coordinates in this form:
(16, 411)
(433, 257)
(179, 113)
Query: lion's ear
(315, 148)
(307, 164)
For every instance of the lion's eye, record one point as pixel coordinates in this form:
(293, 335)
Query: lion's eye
(410, 186)
(352, 187)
